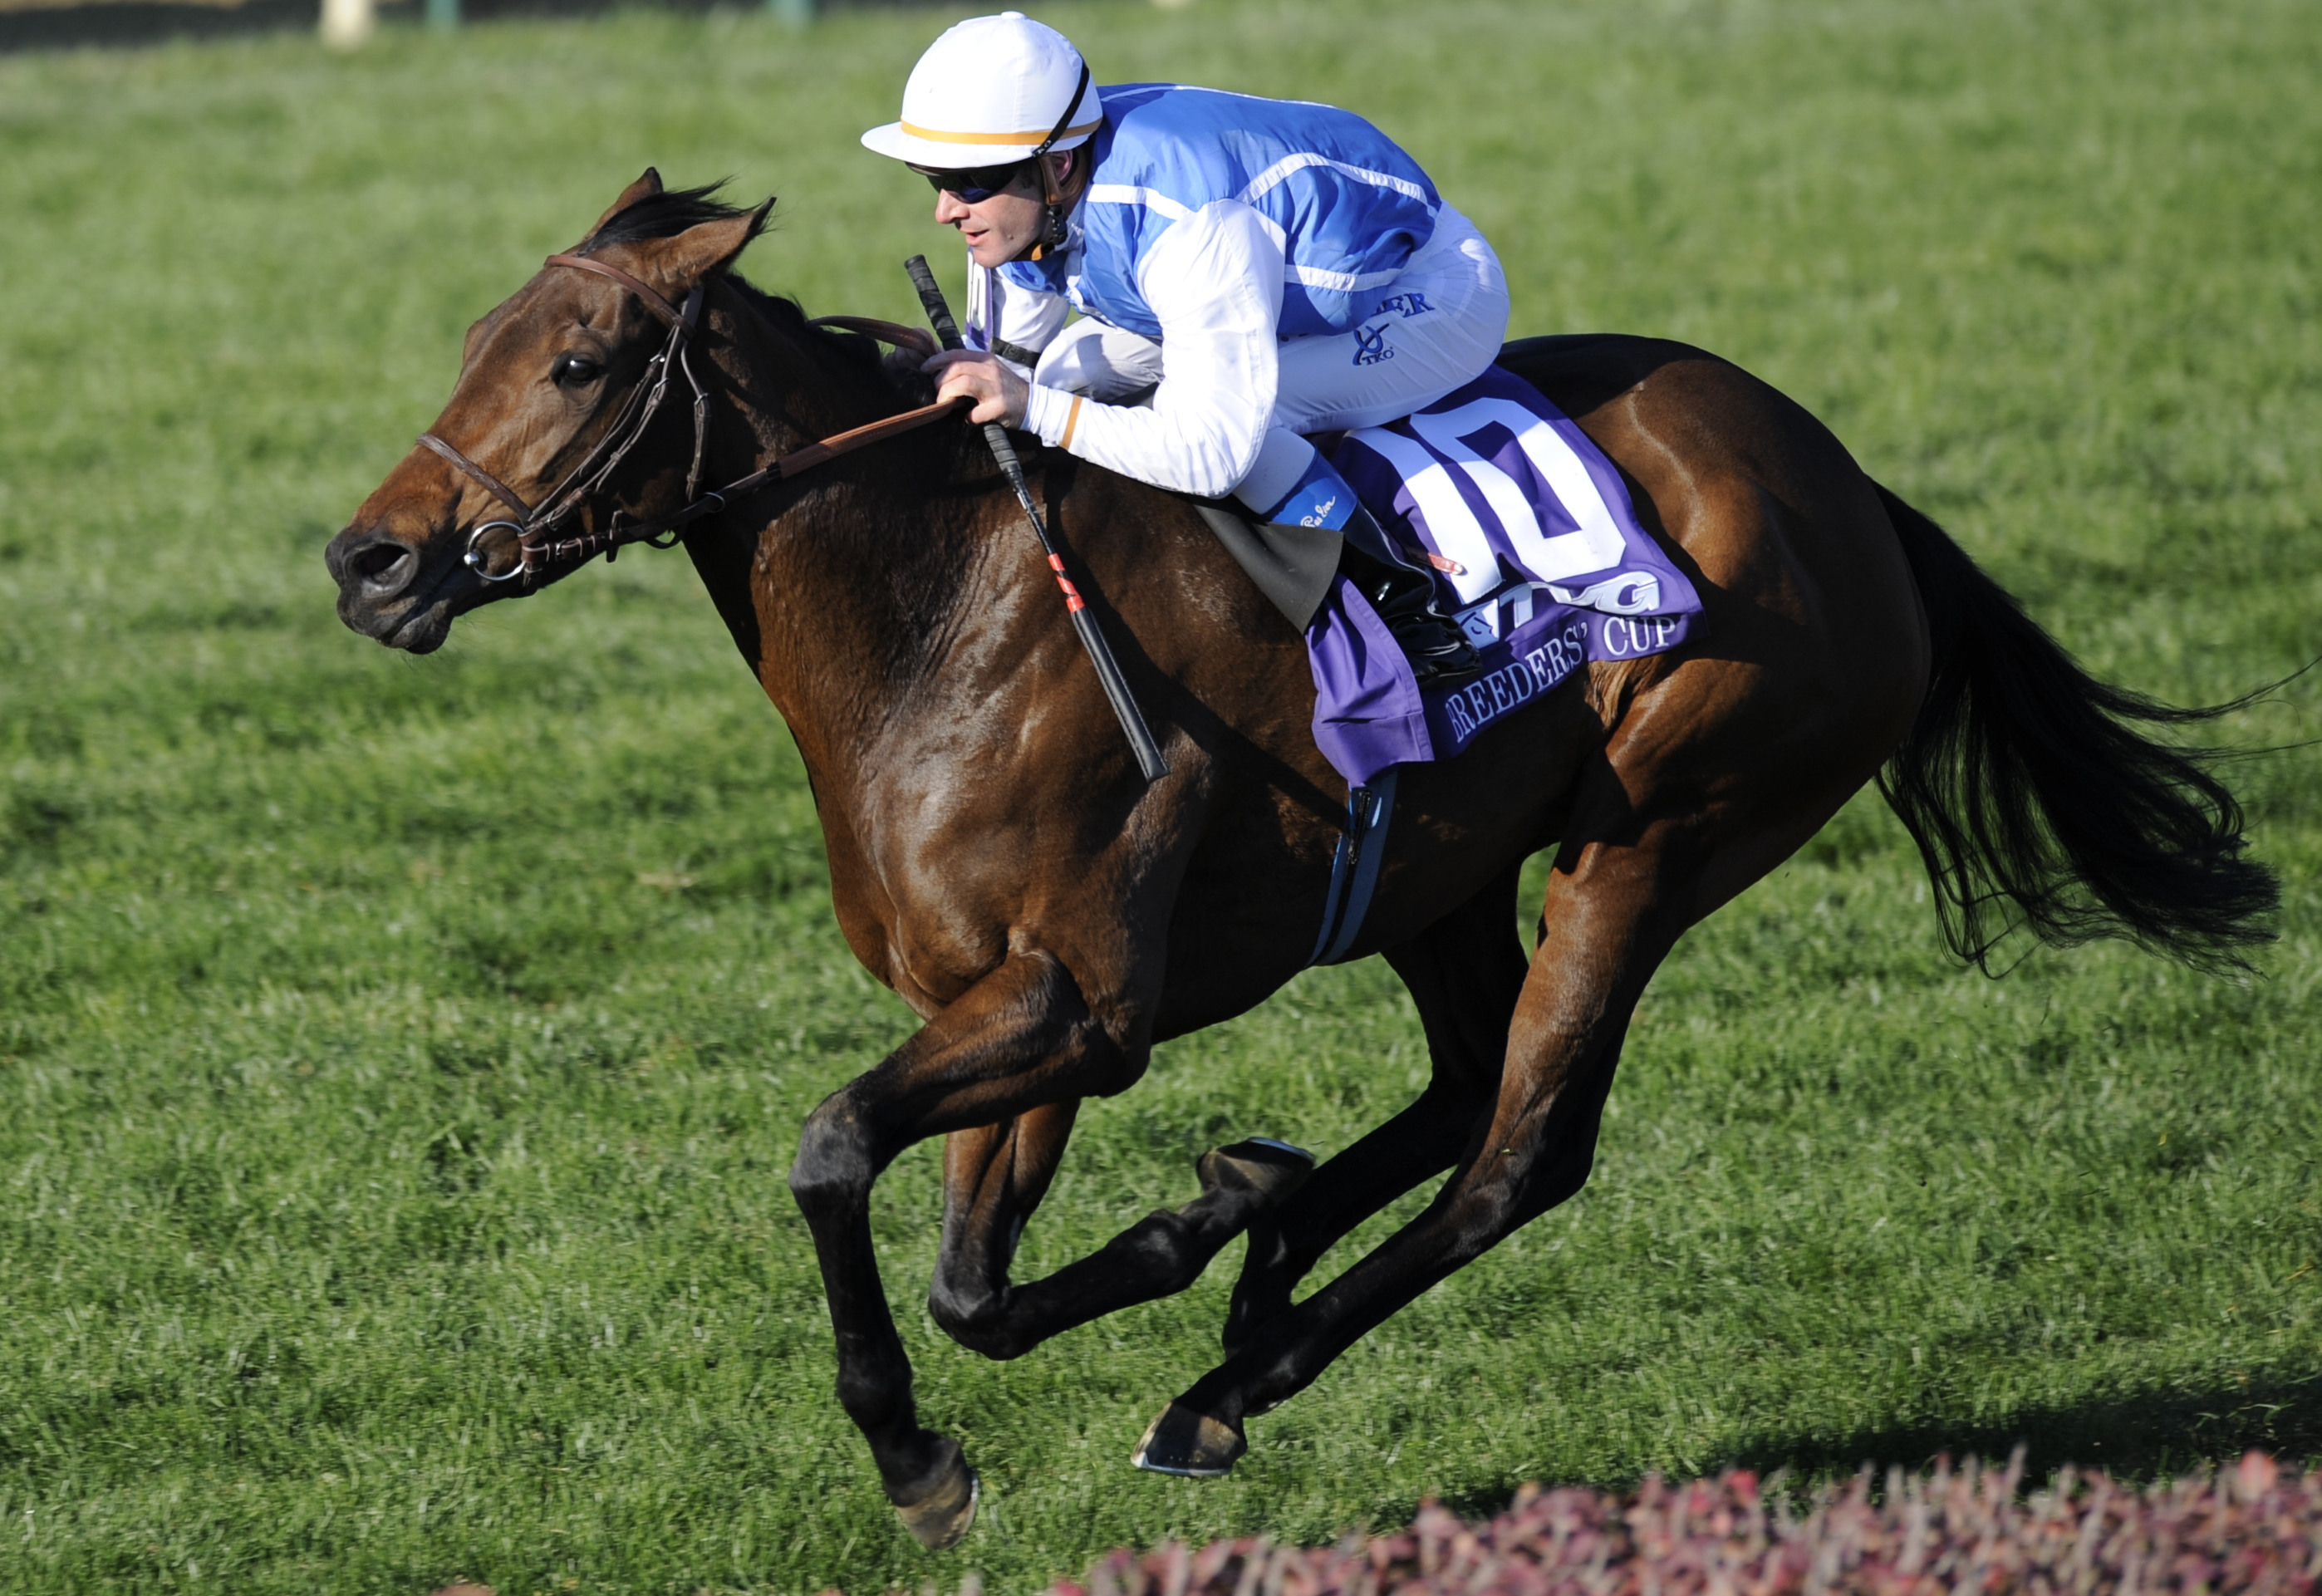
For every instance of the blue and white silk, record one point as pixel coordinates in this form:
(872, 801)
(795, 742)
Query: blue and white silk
(1343, 204)
(1224, 231)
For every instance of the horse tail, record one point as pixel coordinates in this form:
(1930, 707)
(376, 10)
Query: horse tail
(2035, 799)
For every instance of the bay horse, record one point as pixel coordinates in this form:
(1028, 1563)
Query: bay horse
(997, 862)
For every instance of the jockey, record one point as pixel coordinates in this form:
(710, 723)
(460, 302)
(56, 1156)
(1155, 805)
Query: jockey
(1247, 271)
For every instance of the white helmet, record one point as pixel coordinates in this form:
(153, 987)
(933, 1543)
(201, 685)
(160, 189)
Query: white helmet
(993, 90)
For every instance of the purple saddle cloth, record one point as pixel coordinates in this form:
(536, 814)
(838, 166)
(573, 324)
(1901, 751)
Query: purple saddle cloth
(1547, 569)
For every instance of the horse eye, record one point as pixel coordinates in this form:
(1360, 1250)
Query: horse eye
(575, 370)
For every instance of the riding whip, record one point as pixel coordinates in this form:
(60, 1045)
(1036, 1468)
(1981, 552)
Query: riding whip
(1108, 669)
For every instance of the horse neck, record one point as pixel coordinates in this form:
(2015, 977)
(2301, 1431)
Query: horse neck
(842, 587)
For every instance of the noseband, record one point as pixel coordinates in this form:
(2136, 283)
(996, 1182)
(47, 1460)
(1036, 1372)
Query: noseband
(537, 555)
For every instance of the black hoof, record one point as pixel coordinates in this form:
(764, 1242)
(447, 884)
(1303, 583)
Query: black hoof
(942, 1505)
(1260, 1168)
(1193, 1444)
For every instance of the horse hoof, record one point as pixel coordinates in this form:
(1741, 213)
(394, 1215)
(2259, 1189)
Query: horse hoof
(1267, 1169)
(940, 1518)
(1190, 1444)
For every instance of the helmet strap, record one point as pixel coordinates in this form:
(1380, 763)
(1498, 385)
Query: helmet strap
(1053, 232)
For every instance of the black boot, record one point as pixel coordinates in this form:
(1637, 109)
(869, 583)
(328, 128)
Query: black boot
(1404, 597)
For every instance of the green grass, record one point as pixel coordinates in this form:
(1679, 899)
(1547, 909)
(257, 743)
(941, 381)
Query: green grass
(399, 1060)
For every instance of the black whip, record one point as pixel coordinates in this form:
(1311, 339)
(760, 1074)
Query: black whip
(1108, 669)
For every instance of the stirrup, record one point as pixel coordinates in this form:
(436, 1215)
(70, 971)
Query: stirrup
(1404, 596)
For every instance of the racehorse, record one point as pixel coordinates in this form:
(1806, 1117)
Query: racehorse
(997, 860)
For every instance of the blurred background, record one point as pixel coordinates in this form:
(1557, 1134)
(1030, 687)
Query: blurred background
(342, 25)
(399, 1058)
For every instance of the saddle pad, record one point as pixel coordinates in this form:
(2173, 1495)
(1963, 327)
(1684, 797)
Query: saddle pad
(1540, 558)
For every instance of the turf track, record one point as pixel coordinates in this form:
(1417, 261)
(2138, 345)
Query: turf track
(399, 1060)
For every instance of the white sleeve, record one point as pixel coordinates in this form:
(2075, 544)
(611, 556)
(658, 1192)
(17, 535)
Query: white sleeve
(1214, 281)
(1000, 312)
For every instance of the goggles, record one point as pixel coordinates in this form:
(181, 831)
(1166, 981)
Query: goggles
(973, 184)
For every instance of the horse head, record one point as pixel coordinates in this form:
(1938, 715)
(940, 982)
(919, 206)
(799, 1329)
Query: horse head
(558, 384)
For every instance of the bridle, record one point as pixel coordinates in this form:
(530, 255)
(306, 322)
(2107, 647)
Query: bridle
(538, 556)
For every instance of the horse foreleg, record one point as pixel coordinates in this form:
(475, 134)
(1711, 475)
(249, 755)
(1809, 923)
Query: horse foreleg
(994, 1177)
(1465, 972)
(1612, 914)
(1020, 1040)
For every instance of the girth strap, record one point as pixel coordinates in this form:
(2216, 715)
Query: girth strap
(1354, 867)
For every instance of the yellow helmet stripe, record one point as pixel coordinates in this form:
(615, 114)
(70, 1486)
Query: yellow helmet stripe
(935, 135)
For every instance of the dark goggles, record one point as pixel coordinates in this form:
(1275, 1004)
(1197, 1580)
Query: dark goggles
(974, 184)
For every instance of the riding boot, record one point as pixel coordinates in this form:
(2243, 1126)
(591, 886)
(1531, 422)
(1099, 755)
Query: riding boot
(1403, 595)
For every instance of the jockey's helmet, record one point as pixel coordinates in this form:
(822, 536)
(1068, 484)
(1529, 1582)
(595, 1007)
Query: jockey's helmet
(993, 90)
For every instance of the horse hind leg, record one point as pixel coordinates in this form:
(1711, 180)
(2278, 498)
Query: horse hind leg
(1465, 972)
(1613, 912)
(1629, 879)
(994, 1178)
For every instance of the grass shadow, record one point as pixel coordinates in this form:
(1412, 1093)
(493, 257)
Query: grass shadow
(2137, 1438)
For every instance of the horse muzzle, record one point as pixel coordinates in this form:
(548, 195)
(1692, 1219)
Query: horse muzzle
(382, 590)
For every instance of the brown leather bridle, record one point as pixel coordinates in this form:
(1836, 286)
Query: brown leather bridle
(538, 556)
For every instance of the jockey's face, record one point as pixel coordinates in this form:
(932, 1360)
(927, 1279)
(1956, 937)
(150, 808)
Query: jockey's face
(1004, 226)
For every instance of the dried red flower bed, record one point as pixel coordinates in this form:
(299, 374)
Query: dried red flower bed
(1952, 1533)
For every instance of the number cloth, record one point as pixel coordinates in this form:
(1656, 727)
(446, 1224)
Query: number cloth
(1550, 569)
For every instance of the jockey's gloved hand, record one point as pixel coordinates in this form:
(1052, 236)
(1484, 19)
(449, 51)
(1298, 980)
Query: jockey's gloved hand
(1000, 394)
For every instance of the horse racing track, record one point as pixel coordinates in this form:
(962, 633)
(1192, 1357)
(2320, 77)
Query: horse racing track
(403, 1058)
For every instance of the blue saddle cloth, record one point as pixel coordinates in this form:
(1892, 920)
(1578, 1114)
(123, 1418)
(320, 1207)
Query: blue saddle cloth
(1538, 557)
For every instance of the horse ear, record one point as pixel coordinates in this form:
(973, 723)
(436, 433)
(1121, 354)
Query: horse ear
(645, 187)
(675, 265)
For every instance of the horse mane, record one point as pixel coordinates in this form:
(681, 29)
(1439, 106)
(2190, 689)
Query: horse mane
(674, 210)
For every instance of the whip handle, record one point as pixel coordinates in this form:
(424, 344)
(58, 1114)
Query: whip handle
(931, 300)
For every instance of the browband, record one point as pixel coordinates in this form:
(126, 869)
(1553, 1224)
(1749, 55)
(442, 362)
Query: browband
(654, 299)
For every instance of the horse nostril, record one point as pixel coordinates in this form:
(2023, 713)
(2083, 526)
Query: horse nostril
(378, 565)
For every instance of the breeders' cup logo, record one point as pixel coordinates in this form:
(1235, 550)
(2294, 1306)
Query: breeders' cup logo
(1370, 345)
(1625, 638)
(1626, 592)
(1472, 707)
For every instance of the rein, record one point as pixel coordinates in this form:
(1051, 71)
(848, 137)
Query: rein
(536, 555)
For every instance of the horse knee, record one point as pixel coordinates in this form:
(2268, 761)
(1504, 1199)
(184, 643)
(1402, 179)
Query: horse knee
(1556, 1179)
(974, 1313)
(832, 1175)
